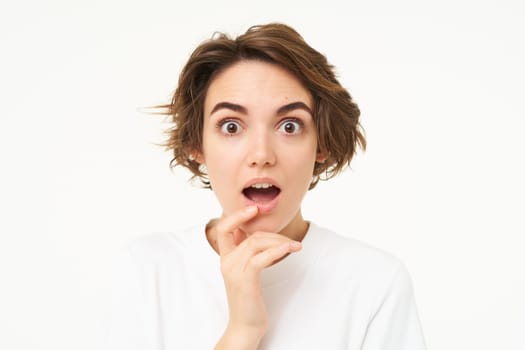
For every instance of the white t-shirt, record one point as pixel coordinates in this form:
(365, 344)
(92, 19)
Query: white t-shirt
(335, 293)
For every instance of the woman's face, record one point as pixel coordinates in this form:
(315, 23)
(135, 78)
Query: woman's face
(259, 143)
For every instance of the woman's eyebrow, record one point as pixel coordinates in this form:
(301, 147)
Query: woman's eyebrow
(241, 109)
(231, 106)
(293, 106)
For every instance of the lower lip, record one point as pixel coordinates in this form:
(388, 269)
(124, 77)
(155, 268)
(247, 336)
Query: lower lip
(264, 207)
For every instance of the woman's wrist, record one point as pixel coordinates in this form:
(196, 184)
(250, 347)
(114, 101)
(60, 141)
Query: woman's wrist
(240, 338)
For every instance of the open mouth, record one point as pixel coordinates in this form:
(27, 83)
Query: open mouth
(261, 192)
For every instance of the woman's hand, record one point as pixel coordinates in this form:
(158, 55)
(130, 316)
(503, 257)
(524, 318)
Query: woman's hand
(243, 257)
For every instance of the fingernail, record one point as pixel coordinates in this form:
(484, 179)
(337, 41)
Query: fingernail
(251, 209)
(295, 244)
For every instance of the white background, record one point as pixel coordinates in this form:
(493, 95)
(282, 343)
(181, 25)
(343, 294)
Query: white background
(441, 89)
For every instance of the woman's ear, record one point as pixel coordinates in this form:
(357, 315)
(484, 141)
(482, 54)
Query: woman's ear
(197, 156)
(321, 157)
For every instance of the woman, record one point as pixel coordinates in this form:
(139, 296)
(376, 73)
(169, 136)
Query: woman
(259, 119)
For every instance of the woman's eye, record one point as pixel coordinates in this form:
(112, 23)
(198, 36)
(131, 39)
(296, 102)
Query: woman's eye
(291, 127)
(230, 127)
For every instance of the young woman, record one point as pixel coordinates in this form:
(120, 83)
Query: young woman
(260, 119)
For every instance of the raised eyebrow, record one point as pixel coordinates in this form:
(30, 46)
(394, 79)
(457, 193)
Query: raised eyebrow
(241, 109)
(293, 106)
(231, 106)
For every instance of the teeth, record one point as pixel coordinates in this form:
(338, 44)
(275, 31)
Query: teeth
(263, 185)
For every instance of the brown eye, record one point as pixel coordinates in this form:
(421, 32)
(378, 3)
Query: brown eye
(291, 127)
(230, 127)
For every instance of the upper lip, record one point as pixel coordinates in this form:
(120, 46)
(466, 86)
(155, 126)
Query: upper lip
(261, 180)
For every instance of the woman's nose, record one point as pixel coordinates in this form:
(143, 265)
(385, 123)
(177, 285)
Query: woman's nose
(261, 151)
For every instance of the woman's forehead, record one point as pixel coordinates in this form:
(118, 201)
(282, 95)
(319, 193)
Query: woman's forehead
(255, 84)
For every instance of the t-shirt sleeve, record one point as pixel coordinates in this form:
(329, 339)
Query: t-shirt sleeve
(395, 324)
(125, 329)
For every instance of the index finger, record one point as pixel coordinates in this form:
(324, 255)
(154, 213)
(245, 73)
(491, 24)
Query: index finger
(228, 224)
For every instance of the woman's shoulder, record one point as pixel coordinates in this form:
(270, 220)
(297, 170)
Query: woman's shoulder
(371, 274)
(356, 256)
(159, 246)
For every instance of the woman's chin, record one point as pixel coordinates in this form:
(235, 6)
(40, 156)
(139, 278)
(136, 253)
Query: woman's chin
(262, 224)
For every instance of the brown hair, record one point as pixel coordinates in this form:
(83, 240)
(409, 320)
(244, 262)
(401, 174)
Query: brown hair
(335, 115)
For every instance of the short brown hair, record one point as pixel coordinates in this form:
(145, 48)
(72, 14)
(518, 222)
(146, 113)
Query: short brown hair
(336, 116)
